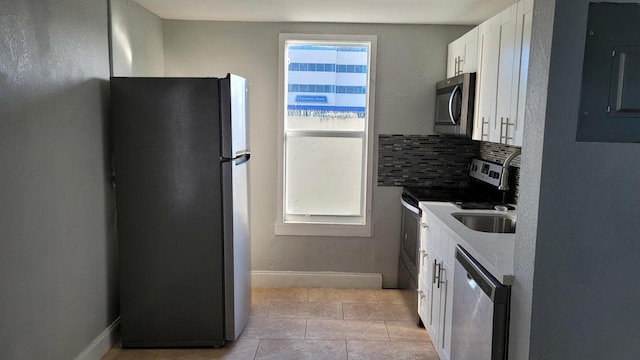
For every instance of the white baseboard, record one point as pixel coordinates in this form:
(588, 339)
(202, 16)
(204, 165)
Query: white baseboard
(320, 279)
(100, 345)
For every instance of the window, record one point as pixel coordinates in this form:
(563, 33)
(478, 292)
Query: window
(325, 161)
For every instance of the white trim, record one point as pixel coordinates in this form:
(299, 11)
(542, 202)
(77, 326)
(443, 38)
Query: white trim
(318, 229)
(319, 279)
(101, 345)
(338, 230)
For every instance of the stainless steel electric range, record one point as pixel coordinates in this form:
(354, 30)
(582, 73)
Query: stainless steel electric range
(483, 193)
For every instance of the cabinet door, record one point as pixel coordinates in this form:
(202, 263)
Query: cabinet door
(454, 51)
(469, 51)
(424, 236)
(434, 303)
(462, 55)
(487, 77)
(424, 272)
(424, 302)
(447, 312)
(523, 41)
(507, 78)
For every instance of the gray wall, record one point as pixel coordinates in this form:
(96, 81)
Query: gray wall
(411, 58)
(580, 213)
(57, 249)
(530, 181)
(136, 40)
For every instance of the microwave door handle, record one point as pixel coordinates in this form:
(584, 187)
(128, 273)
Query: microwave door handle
(453, 94)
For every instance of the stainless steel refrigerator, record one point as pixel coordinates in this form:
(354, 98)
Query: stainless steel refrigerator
(181, 152)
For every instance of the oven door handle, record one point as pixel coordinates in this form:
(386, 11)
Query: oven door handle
(410, 207)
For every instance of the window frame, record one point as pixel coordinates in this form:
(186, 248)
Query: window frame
(326, 228)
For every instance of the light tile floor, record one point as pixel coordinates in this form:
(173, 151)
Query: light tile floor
(314, 324)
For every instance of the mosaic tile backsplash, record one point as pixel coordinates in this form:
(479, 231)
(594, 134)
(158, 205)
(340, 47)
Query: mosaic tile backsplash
(498, 153)
(433, 160)
(436, 160)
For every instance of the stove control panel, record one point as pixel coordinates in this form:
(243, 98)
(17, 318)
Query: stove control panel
(485, 171)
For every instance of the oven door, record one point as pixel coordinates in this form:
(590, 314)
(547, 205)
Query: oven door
(410, 237)
(408, 262)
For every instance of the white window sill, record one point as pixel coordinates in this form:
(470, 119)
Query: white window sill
(334, 230)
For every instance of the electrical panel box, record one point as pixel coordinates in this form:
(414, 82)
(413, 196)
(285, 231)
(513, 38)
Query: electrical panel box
(610, 95)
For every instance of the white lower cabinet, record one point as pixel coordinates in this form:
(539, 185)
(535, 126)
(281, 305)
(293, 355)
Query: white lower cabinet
(424, 273)
(436, 283)
(447, 312)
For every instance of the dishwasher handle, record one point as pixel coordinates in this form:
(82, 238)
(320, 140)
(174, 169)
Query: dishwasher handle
(498, 293)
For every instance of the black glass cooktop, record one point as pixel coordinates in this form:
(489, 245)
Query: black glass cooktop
(464, 198)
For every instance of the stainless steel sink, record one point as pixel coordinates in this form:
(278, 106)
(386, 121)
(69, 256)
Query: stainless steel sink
(491, 223)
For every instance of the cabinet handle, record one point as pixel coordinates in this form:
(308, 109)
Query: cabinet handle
(423, 253)
(505, 125)
(506, 131)
(455, 71)
(460, 63)
(482, 134)
(440, 269)
(425, 226)
(433, 273)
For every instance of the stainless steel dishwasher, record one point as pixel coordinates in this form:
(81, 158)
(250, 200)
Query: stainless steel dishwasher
(480, 312)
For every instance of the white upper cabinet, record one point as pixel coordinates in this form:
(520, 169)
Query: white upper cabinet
(462, 54)
(470, 51)
(523, 39)
(502, 67)
(453, 54)
(506, 77)
(486, 78)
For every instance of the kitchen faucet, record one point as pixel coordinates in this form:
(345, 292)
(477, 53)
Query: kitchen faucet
(504, 179)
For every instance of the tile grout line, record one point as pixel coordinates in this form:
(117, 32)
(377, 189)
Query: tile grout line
(255, 355)
(346, 348)
(268, 309)
(387, 329)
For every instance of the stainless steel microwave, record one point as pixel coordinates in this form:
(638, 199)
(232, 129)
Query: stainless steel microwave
(454, 105)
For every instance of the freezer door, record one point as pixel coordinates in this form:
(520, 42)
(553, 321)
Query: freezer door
(235, 116)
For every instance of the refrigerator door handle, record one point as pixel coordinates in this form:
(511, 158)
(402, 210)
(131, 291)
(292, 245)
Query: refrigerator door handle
(240, 159)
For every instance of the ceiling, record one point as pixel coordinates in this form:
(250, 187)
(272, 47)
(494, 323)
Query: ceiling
(456, 12)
